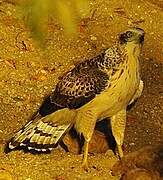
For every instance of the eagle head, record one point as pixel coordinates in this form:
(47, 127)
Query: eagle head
(132, 35)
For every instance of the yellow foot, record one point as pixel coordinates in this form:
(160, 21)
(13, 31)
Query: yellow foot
(85, 162)
(120, 151)
(85, 165)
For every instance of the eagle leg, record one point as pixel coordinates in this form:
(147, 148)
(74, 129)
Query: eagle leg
(118, 123)
(85, 156)
(85, 124)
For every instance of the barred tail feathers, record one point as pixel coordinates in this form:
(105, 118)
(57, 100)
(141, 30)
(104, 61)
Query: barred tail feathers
(43, 134)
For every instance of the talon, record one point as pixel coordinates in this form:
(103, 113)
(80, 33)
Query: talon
(85, 166)
(120, 151)
(85, 162)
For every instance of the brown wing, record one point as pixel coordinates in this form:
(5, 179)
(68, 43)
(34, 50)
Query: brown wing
(77, 87)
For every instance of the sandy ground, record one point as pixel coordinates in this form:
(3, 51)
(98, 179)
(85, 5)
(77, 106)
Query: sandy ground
(28, 73)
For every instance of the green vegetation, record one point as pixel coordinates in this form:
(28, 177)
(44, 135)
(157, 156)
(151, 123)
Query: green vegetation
(66, 12)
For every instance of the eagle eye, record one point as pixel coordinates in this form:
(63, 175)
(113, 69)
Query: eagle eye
(129, 34)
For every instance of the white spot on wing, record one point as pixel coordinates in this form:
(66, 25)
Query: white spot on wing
(41, 140)
(34, 138)
(52, 130)
(47, 129)
(30, 148)
(42, 126)
(52, 141)
(43, 150)
(28, 124)
(46, 140)
(22, 144)
(11, 146)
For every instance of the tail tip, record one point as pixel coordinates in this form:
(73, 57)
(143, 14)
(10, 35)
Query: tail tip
(8, 148)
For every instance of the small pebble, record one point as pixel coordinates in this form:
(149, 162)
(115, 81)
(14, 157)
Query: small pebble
(93, 38)
(132, 144)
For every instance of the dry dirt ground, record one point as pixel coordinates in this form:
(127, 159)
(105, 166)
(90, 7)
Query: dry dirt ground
(28, 73)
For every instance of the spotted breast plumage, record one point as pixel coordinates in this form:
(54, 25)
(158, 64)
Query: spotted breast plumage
(95, 89)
